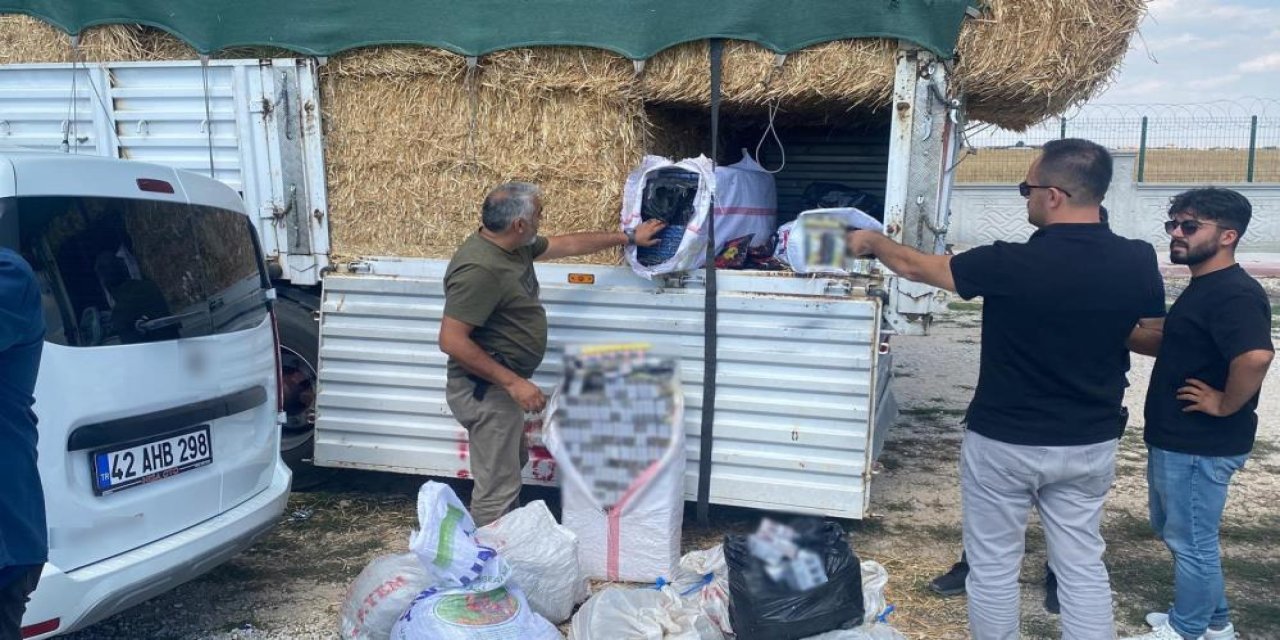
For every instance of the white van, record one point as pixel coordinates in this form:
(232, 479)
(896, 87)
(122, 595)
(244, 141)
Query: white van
(158, 392)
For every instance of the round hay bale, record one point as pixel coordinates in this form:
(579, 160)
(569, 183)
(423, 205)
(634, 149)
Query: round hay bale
(1027, 60)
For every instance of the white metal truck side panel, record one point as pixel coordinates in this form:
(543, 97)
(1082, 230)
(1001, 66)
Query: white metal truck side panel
(794, 400)
(155, 112)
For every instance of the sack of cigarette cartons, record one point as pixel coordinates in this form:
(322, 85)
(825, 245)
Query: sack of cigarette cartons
(642, 614)
(445, 543)
(616, 429)
(469, 597)
(788, 582)
(702, 579)
(543, 556)
(678, 194)
(380, 595)
(451, 614)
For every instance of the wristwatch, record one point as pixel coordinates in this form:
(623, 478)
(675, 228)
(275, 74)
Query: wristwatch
(631, 236)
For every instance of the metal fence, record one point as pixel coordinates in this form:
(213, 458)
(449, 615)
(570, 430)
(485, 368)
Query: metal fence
(1209, 143)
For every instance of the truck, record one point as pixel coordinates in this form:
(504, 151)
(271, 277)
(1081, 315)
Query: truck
(802, 368)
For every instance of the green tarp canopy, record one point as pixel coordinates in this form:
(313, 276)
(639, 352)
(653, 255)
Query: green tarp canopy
(636, 29)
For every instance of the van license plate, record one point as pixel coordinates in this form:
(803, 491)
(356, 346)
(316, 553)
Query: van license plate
(118, 469)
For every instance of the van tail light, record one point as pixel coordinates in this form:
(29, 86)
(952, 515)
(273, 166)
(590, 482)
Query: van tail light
(275, 335)
(31, 631)
(154, 186)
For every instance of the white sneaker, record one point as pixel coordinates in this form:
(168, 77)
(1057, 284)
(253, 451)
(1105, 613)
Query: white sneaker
(1161, 632)
(1226, 633)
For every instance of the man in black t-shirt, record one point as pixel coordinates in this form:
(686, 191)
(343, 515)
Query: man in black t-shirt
(1058, 314)
(1200, 412)
(952, 582)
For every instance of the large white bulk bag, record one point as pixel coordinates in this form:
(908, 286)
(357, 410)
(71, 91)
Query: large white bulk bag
(746, 203)
(628, 520)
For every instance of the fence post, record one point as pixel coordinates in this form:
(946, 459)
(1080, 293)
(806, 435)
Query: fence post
(1062, 128)
(1142, 151)
(1253, 147)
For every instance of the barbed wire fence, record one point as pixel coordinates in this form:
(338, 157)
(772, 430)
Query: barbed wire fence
(1224, 142)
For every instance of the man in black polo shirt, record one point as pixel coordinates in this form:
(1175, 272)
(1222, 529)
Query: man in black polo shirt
(1201, 404)
(1046, 416)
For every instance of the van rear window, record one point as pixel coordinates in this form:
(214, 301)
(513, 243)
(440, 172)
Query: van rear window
(123, 271)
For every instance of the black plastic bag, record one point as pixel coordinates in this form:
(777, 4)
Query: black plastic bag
(760, 609)
(830, 195)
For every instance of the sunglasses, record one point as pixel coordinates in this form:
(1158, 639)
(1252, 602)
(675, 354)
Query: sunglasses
(1189, 227)
(1024, 189)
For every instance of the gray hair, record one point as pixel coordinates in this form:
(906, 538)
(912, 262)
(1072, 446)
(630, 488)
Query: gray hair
(508, 202)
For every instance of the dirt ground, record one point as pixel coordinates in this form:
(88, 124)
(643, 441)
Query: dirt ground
(292, 582)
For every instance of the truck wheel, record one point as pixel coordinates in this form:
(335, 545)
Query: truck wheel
(299, 361)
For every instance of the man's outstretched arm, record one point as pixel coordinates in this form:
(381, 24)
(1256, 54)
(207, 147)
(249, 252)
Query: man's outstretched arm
(903, 260)
(588, 242)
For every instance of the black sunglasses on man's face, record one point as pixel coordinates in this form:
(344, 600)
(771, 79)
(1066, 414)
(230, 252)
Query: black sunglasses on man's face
(1189, 227)
(1024, 189)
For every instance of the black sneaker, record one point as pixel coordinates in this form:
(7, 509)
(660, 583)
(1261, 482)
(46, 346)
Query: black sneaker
(951, 583)
(1051, 592)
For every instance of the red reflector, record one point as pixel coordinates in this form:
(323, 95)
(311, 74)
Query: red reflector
(157, 186)
(41, 627)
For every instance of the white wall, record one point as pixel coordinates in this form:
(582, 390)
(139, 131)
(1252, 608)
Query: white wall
(981, 214)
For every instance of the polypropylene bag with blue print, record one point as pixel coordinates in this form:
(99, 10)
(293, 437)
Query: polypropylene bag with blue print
(445, 543)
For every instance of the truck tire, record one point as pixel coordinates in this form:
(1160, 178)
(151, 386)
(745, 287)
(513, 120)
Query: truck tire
(299, 362)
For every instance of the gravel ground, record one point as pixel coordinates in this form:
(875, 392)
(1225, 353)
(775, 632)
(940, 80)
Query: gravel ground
(291, 583)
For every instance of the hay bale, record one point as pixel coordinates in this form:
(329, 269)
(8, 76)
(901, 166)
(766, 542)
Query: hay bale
(407, 170)
(1027, 60)
(1023, 61)
(157, 44)
(678, 133)
(833, 76)
(24, 39)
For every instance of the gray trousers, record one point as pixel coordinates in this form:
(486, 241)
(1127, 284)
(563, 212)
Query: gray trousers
(1000, 483)
(496, 447)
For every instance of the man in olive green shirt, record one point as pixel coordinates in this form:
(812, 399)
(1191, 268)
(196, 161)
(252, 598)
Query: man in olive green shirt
(495, 334)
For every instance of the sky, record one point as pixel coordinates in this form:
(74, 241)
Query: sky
(1200, 51)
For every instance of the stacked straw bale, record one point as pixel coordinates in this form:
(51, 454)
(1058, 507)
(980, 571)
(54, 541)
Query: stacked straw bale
(410, 156)
(414, 139)
(24, 39)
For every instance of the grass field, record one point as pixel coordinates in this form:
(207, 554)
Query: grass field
(1183, 166)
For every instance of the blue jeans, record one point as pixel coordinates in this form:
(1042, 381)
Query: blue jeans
(1187, 494)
